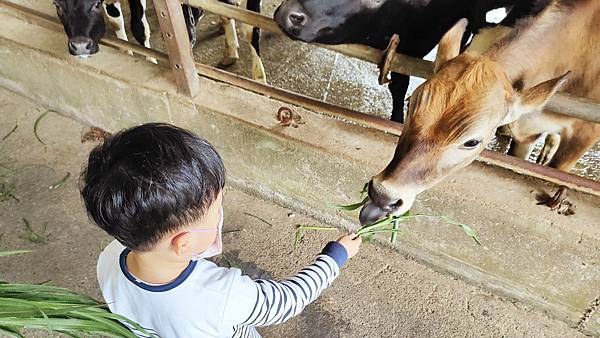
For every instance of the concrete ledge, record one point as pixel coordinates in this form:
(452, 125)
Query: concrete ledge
(530, 254)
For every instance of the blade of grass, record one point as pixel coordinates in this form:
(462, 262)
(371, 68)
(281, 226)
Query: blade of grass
(66, 324)
(395, 228)
(70, 334)
(350, 207)
(32, 236)
(61, 182)
(57, 309)
(15, 252)
(300, 228)
(8, 332)
(11, 132)
(364, 190)
(258, 218)
(35, 126)
(114, 327)
(105, 312)
(386, 230)
(467, 229)
(7, 192)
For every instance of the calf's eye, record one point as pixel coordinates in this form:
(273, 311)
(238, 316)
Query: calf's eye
(471, 144)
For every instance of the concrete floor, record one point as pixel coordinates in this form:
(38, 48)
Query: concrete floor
(313, 71)
(379, 294)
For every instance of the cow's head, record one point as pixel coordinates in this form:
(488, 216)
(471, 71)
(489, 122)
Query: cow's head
(451, 118)
(83, 21)
(325, 21)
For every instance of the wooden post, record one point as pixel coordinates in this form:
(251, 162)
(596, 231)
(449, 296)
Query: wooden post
(174, 33)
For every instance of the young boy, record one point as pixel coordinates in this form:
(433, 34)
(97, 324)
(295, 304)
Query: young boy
(157, 189)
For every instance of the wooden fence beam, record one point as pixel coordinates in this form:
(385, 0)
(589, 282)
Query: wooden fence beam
(174, 33)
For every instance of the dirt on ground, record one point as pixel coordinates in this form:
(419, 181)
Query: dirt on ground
(380, 293)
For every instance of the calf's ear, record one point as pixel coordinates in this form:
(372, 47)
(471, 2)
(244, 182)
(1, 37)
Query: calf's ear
(535, 98)
(449, 46)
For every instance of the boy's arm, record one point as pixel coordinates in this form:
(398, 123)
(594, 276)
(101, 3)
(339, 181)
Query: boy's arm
(267, 302)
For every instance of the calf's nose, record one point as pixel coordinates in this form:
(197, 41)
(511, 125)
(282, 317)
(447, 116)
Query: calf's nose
(297, 19)
(80, 46)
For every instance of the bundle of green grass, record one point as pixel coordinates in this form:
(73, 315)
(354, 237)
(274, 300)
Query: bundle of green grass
(54, 309)
(390, 224)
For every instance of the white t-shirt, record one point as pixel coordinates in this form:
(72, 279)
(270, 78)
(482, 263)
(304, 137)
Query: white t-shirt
(206, 300)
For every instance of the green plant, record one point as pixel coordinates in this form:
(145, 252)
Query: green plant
(60, 183)
(33, 236)
(389, 224)
(7, 192)
(46, 307)
(35, 126)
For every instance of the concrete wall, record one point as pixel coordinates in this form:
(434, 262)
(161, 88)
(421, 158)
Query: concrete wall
(548, 260)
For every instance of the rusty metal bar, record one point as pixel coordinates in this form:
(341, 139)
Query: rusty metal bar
(578, 107)
(501, 160)
(174, 33)
(561, 103)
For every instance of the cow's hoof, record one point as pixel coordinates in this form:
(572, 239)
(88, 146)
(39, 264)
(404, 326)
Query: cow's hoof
(129, 52)
(258, 69)
(229, 60)
(260, 77)
(150, 59)
(555, 201)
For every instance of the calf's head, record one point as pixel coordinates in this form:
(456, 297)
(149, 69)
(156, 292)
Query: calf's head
(83, 21)
(451, 118)
(326, 21)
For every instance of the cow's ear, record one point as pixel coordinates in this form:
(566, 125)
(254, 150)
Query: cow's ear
(372, 4)
(534, 98)
(449, 45)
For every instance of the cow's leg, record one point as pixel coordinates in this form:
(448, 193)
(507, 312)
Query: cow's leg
(527, 130)
(139, 24)
(549, 149)
(398, 87)
(231, 40)
(522, 148)
(252, 34)
(115, 19)
(574, 143)
(524, 138)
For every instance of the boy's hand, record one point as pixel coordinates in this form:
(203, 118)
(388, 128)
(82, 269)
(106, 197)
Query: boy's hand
(351, 243)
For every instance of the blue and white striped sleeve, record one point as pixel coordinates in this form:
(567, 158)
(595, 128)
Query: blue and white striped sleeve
(267, 302)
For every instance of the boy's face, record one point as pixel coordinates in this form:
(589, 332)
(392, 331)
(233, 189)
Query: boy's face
(199, 236)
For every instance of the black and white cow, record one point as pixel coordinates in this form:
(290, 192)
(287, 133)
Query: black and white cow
(419, 23)
(83, 21)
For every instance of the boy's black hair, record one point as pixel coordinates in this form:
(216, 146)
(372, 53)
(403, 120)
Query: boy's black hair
(147, 181)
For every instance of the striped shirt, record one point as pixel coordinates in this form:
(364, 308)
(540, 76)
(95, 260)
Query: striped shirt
(206, 300)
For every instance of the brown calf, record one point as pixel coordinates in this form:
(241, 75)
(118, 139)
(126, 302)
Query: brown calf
(454, 114)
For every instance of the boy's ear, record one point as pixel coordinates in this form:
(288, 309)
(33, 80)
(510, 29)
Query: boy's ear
(180, 244)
